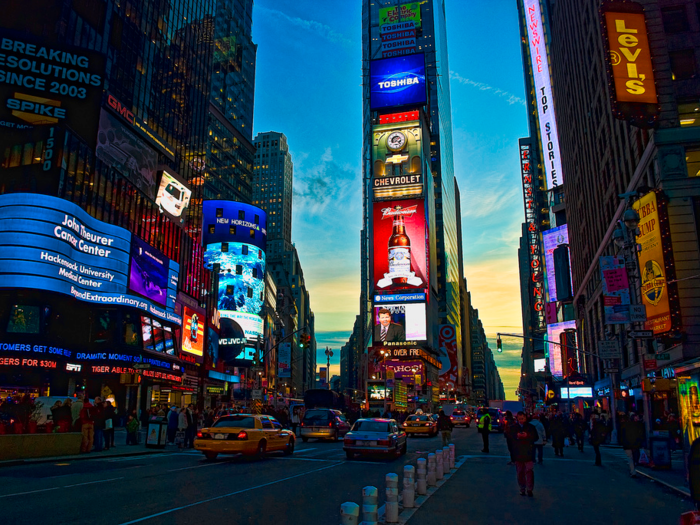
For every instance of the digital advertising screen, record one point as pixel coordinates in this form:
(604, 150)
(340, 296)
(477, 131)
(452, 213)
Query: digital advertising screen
(400, 257)
(540, 364)
(576, 391)
(51, 244)
(147, 333)
(447, 338)
(173, 197)
(149, 272)
(552, 239)
(232, 343)
(397, 160)
(396, 323)
(231, 221)
(193, 332)
(398, 81)
(554, 333)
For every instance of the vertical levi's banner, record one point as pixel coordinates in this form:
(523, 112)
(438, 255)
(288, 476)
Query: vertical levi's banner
(549, 135)
(630, 58)
(652, 266)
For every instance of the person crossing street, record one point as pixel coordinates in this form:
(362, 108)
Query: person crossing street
(523, 436)
(444, 425)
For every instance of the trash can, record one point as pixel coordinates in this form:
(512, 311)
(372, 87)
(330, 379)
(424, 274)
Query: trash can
(660, 452)
(157, 433)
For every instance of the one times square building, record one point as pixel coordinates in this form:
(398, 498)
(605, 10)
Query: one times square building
(102, 146)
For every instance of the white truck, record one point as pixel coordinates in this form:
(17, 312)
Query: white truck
(513, 406)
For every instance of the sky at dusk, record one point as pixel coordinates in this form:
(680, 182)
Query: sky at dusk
(308, 86)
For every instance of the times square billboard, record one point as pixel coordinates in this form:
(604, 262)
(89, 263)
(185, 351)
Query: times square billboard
(234, 236)
(398, 81)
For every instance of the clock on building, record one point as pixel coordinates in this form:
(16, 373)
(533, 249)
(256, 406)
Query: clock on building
(396, 141)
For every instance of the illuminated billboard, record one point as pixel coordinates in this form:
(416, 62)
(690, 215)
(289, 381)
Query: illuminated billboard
(400, 258)
(552, 239)
(193, 333)
(398, 39)
(152, 274)
(689, 403)
(234, 236)
(540, 364)
(448, 357)
(409, 12)
(653, 265)
(554, 349)
(616, 292)
(397, 160)
(551, 156)
(398, 81)
(51, 244)
(173, 197)
(396, 323)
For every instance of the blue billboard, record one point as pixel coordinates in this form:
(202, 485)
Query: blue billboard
(152, 274)
(398, 81)
(47, 243)
(231, 221)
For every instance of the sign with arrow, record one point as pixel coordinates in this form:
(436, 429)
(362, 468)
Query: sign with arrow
(641, 334)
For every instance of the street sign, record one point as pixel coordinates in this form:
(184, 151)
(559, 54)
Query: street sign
(611, 370)
(609, 350)
(649, 363)
(256, 394)
(638, 313)
(663, 357)
(641, 334)
(141, 366)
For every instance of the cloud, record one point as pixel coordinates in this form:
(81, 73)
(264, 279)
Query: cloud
(485, 202)
(322, 30)
(510, 98)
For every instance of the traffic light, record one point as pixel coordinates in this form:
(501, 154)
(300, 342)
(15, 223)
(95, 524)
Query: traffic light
(304, 340)
(499, 344)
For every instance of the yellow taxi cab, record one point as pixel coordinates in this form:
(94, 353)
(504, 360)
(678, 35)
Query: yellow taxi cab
(420, 424)
(247, 434)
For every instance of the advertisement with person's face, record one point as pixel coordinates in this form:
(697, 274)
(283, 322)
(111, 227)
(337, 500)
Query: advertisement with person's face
(400, 259)
(396, 323)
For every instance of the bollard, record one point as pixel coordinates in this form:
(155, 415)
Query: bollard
(370, 497)
(421, 477)
(391, 513)
(439, 465)
(452, 456)
(446, 459)
(432, 474)
(409, 486)
(349, 513)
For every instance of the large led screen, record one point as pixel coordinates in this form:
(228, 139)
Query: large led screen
(552, 239)
(231, 221)
(554, 332)
(173, 197)
(395, 323)
(51, 244)
(149, 272)
(193, 333)
(400, 259)
(397, 160)
(397, 81)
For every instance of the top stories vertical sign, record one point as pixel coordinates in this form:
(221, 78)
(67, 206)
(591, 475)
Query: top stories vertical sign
(549, 135)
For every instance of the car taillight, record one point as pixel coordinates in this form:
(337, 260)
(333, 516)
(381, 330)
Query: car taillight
(242, 435)
(347, 441)
(427, 424)
(199, 434)
(384, 442)
(451, 417)
(302, 423)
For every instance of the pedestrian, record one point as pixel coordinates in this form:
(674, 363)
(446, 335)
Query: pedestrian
(180, 436)
(444, 425)
(295, 420)
(510, 421)
(209, 418)
(191, 431)
(110, 415)
(99, 420)
(558, 431)
(132, 428)
(173, 421)
(484, 428)
(87, 426)
(598, 431)
(75, 409)
(523, 436)
(632, 438)
(541, 440)
(579, 430)
(56, 412)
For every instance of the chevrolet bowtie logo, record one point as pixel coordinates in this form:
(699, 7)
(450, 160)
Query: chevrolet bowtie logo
(397, 159)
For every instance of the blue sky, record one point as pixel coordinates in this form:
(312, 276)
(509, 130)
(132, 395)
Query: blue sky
(308, 86)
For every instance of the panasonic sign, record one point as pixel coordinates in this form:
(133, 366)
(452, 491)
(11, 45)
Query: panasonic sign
(398, 81)
(539, 60)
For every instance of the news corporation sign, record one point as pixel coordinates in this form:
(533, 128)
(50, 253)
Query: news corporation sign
(51, 244)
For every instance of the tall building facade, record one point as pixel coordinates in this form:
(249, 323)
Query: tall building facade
(116, 169)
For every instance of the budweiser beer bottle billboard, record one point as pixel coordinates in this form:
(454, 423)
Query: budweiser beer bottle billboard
(399, 251)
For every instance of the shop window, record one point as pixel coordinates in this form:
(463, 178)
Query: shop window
(130, 330)
(257, 219)
(232, 230)
(229, 289)
(244, 249)
(692, 162)
(239, 269)
(23, 319)
(683, 64)
(219, 213)
(224, 247)
(241, 215)
(252, 233)
(250, 293)
(255, 273)
(211, 229)
(689, 114)
(675, 19)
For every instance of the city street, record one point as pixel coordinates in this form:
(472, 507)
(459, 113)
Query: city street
(181, 487)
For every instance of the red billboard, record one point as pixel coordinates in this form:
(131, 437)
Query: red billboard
(448, 357)
(400, 246)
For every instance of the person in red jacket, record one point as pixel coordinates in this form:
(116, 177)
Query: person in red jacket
(523, 436)
(87, 420)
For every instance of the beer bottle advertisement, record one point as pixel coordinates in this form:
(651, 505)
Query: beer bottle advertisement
(400, 256)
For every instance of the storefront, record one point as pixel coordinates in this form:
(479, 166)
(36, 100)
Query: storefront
(688, 391)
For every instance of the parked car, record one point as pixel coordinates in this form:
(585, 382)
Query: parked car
(420, 424)
(323, 423)
(375, 436)
(247, 434)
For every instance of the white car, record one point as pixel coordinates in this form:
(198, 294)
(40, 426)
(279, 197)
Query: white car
(375, 436)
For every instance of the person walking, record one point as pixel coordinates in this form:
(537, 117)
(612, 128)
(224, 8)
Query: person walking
(173, 420)
(99, 419)
(444, 425)
(558, 431)
(295, 420)
(180, 436)
(523, 436)
(87, 426)
(540, 442)
(132, 428)
(484, 428)
(110, 416)
(598, 432)
(191, 430)
(510, 421)
(579, 430)
(632, 438)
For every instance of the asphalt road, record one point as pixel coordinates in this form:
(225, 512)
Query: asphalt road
(308, 488)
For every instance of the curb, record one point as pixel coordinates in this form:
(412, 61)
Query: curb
(664, 483)
(83, 457)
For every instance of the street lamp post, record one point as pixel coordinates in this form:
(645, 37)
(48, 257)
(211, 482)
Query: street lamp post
(384, 375)
(329, 354)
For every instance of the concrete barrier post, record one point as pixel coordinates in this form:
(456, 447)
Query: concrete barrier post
(391, 514)
(439, 465)
(370, 497)
(409, 486)
(452, 456)
(421, 477)
(432, 470)
(349, 513)
(446, 459)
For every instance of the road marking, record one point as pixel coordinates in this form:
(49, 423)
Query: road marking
(302, 459)
(199, 466)
(175, 509)
(56, 488)
(304, 450)
(143, 456)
